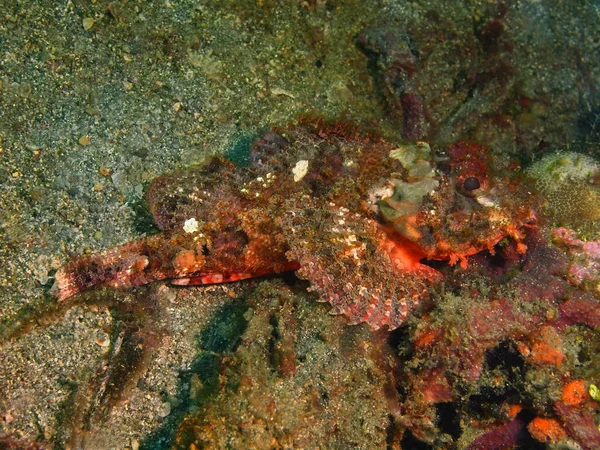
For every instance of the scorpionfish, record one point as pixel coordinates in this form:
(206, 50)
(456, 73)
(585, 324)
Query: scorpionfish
(353, 215)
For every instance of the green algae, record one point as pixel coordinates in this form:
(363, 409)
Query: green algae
(594, 392)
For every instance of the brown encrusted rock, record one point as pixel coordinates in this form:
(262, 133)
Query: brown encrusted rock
(298, 379)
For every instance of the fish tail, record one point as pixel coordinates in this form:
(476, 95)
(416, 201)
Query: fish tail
(129, 265)
(185, 259)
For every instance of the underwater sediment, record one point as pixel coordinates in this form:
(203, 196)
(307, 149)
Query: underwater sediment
(100, 99)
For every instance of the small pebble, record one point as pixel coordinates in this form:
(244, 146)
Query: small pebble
(165, 410)
(87, 23)
(105, 342)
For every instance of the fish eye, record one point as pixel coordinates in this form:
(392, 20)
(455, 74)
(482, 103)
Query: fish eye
(471, 183)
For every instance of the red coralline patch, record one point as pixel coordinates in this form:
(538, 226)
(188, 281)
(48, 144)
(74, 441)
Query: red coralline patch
(579, 423)
(424, 337)
(574, 393)
(581, 308)
(546, 430)
(484, 334)
(547, 348)
(502, 437)
(585, 256)
(436, 388)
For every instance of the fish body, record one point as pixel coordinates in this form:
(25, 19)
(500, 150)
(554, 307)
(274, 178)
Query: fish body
(354, 215)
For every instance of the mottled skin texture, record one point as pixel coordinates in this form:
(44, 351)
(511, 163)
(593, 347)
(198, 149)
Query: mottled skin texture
(324, 221)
